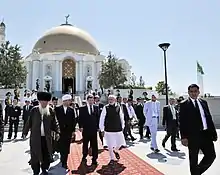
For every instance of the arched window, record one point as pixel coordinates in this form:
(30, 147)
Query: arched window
(48, 70)
(89, 70)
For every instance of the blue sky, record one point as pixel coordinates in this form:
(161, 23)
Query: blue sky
(132, 30)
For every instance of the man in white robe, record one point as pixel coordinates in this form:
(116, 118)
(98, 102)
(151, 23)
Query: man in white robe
(152, 113)
(111, 125)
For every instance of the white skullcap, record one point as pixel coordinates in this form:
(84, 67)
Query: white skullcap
(112, 96)
(66, 97)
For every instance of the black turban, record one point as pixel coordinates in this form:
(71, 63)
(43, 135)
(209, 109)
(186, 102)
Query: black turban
(35, 102)
(54, 98)
(44, 96)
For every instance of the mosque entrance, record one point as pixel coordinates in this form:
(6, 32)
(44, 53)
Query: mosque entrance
(68, 76)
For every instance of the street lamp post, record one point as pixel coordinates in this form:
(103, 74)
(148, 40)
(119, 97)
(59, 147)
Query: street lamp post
(164, 47)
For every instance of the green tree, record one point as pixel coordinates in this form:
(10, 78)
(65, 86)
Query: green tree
(161, 88)
(112, 74)
(12, 69)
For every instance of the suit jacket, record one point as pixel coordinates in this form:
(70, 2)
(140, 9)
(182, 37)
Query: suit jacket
(1, 124)
(67, 121)
(125, 111)
(26, 113)
(190, 124)
(140, 115)
(14, 112)
(89, 121)
(148, 113)
(168, 116)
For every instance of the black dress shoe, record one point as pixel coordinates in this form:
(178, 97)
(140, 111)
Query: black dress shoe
(174, 149)
(117, 156)
(163, 144)
(133, 139)
(156, 150)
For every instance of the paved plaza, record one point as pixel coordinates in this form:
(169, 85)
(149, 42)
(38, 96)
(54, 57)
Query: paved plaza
(15, 155)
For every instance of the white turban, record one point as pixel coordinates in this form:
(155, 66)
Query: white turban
(112, 96)
(66, 97)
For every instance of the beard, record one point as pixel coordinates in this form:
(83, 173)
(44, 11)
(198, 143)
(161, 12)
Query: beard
(44, 111)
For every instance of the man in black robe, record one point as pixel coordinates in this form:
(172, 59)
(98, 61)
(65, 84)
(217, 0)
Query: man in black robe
(41, 122)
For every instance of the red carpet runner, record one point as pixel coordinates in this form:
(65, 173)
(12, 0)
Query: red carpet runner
(129, 164)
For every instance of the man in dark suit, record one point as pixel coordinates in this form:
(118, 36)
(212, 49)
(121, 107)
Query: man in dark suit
(197, 131)
(1, 127)
(14, 114)
(88, 124)
(170, 121)
(100, 107)
(140, 116)
(127, 129)
(26, 112)
(66, 119)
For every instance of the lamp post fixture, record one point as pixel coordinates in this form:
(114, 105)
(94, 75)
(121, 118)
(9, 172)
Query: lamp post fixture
(164, 47)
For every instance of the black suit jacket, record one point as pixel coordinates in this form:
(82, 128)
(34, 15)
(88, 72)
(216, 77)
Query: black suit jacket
(89, 122)
(14, 112)
(140, 114)
(26, 113)
(67, 122)
(1, 124)
(168, 116)
(125, 111)
(189, 124)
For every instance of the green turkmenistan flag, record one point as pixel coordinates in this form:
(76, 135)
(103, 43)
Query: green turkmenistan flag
(199, 69)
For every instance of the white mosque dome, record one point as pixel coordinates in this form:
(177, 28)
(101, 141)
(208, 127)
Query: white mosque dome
(66, 38)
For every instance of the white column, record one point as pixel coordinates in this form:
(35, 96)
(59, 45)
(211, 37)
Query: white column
(81, 76)
(77, 76)
(94, 76)
(60, 76)
(35, 73)
(57, 80)
(27, 64)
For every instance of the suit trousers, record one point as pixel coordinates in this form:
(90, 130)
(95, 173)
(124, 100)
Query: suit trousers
(153, 130)
(204, 143)
(13, 124)
(45, 164)
(92, 139)
(171, 132)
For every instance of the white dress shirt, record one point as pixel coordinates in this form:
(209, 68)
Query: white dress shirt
(201, 112)
(64, 108)
(42, 126)
(88, 106)
(131, 112)
(173, 111)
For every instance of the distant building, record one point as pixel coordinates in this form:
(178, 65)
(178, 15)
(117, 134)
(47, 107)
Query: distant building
(66, 59)
(2, 32)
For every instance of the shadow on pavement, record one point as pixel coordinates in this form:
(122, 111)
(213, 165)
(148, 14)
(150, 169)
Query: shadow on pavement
(180, 155)
(159, 156)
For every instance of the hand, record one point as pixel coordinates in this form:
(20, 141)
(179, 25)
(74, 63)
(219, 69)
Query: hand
(24, 136)
(103, 133)
(184, 142)
(57, 137)
(81, 129)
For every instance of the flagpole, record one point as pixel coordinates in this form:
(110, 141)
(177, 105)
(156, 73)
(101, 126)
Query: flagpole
(200, 80)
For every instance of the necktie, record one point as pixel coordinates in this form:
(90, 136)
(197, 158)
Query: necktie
(27, 108)
(197, 107)
(91, 111)
(199, 114)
